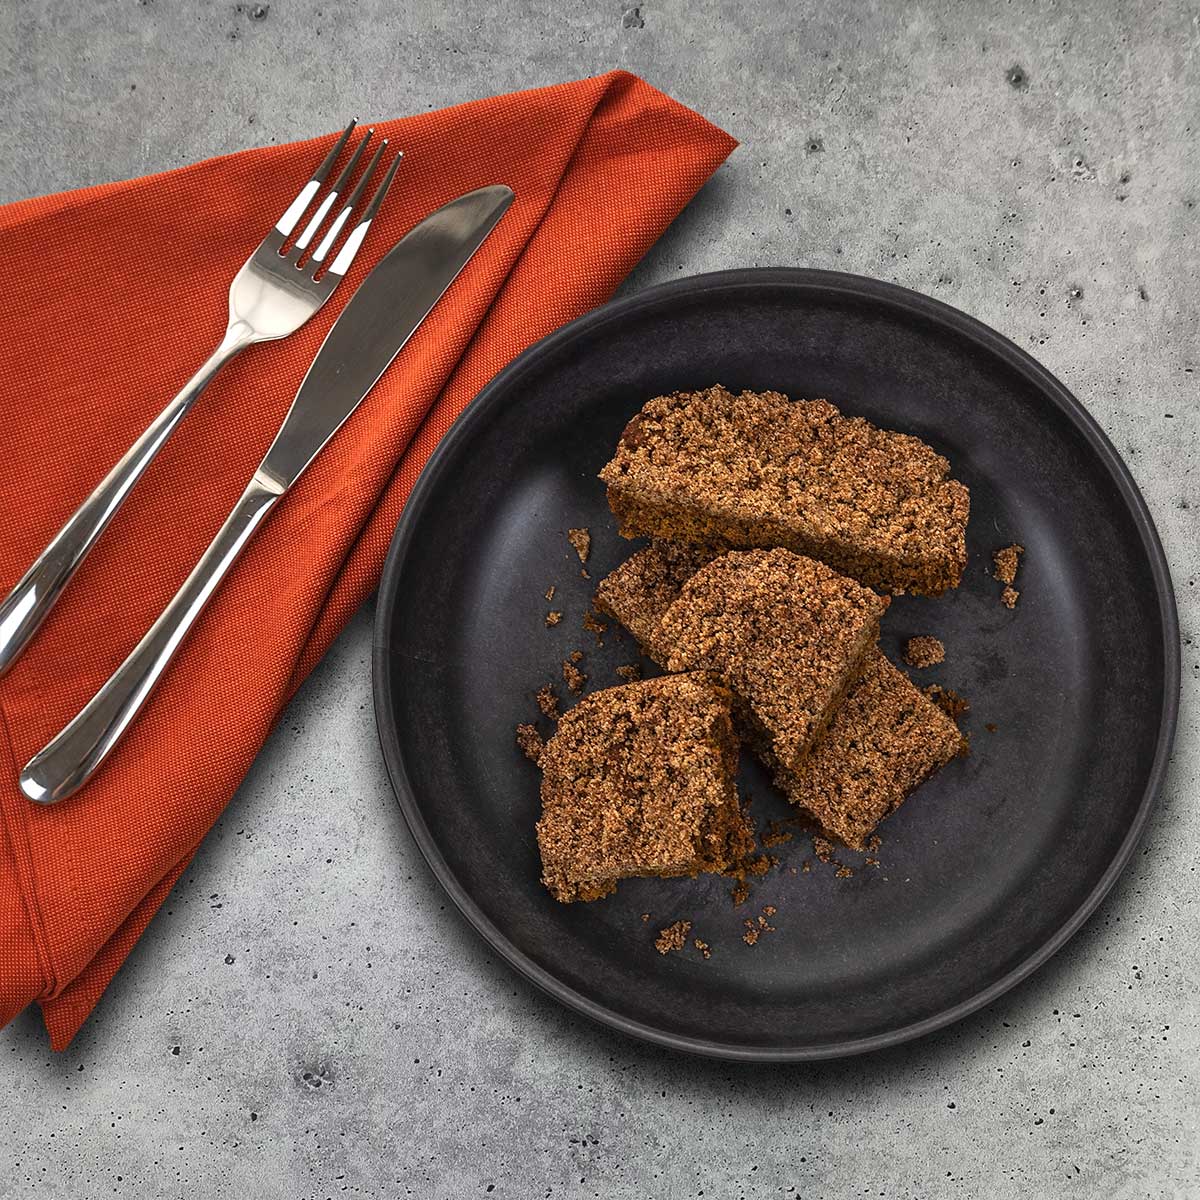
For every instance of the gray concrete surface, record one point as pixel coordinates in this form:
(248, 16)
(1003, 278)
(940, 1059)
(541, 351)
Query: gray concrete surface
(305, 1017)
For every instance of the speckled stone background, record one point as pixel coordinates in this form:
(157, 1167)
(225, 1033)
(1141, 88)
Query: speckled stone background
(305, 1016)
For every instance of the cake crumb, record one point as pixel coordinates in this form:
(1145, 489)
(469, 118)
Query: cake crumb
(576, 656)
(776, 834)
(874, 842)
(1006, 561)
(1009, 597)
(573, 676)
(630, 672)
(755, 930)
(823, 849)
(806, 866)
(584, 573)
(531, 742)
(547, 701)
(740, 893)
(921, 652)
(843, 871)
(949, 701)
(872, 862)
(553, 617)
(593, 624)
(581, 539)
(674, 937)
(703, 947)
(550, 592)
(769, 910)
(645, 916)
(990, 727)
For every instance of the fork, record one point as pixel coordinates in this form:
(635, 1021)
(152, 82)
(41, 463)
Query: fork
(273, 295)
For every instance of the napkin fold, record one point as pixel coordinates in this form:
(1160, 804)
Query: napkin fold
(115, 295)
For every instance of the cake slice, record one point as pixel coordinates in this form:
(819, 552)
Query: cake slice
(785, 633)
(760, 470)
(639, 780)
(639, 591)
(885, 739)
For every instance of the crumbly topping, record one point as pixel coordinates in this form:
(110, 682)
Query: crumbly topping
(531, 742)
(630, 672)
(573, 676)
(553, 617)
(550, 592)
(703, 947)
(1006, 561)
(921, 652)
(674, 937)
(785, 632)
(1009, 597)
(758, 469)
(638, 780)
(593, 624)
(547, 701)
(581, 539)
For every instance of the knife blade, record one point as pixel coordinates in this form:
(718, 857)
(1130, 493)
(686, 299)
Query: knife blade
(377, 322)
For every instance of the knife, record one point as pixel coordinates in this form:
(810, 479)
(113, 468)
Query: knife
(372, 329)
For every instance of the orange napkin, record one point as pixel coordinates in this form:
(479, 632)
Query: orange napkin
(115, 295)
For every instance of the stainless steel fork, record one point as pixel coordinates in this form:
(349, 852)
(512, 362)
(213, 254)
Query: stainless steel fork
(273, 294)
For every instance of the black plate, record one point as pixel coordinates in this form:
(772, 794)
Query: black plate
(987, 871)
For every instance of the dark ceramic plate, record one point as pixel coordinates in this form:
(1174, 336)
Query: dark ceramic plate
(987, 871)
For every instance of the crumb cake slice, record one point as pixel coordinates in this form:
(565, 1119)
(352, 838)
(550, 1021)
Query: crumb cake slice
(639, 591)
(785, 633)
(760, 470)
(639, 780)
(885, 739)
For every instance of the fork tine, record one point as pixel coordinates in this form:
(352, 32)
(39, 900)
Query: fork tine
(334, 192)
(353, 199)
(297, 208)
(345, 256)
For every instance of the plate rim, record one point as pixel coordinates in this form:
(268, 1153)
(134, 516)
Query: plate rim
(690, 287)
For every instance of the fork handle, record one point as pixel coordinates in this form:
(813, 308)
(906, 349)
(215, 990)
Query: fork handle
(27, 605)
(68, 761)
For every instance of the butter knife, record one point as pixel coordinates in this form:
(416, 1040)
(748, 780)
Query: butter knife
(373, 327)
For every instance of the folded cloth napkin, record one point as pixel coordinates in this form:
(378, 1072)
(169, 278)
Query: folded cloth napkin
(115, 294)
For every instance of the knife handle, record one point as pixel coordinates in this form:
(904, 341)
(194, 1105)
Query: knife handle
(66, 763)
